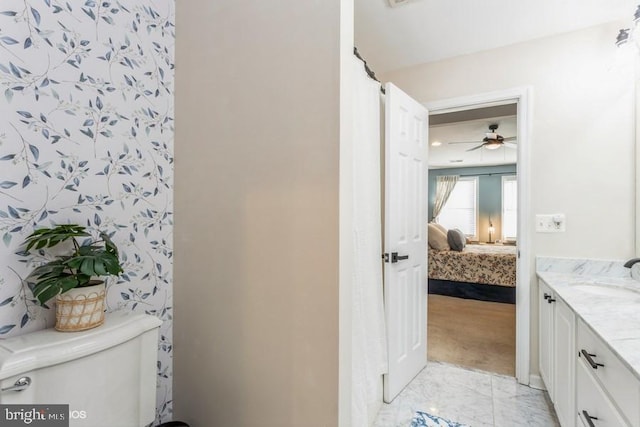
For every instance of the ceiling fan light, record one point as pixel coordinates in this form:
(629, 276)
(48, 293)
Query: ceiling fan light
(493, 145)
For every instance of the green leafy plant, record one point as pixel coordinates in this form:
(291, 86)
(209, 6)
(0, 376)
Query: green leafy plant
(94, 258)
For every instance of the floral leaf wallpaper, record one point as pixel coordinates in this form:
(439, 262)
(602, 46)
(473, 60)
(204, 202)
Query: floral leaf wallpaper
(86, 136)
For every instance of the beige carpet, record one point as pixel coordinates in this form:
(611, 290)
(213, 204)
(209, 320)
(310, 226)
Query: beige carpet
(474, 334)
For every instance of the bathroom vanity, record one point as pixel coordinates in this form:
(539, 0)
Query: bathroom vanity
(589, 344)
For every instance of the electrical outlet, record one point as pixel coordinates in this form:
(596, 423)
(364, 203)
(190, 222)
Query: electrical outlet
(551, 223)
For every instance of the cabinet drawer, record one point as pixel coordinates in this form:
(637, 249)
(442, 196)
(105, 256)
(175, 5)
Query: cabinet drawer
(615, 377)
(594, 401)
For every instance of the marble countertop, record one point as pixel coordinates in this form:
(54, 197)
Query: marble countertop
(615, 319)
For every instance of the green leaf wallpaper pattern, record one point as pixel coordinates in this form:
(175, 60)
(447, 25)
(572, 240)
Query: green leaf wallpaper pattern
(86, 136)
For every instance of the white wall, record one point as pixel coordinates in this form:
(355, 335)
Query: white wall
(257, 201)
(583, 134)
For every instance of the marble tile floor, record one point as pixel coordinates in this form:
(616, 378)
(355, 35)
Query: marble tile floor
(476, 398)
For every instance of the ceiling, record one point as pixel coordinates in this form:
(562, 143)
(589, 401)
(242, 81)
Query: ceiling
(455, 155)
(422, 31)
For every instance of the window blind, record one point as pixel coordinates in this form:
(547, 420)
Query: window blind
(509, 208)
(461, 210)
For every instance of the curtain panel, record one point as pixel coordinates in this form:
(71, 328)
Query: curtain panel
(444, 186)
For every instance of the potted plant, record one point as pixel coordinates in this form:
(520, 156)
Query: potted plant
(73, 277)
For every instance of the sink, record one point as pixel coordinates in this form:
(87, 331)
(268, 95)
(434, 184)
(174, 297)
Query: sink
(607, 290)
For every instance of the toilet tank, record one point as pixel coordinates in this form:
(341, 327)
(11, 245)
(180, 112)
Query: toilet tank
(107, 375)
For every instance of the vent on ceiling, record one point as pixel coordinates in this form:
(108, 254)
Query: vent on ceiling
(394, 3)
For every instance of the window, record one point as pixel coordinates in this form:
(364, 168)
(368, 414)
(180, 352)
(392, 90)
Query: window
(461, 210)
(509, 207)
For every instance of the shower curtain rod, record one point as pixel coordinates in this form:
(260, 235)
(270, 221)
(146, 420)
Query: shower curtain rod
(369, 71)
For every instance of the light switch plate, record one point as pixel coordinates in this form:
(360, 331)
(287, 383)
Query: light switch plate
(551, 223)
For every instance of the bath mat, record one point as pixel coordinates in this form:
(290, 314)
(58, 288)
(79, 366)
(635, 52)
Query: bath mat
(423, 419)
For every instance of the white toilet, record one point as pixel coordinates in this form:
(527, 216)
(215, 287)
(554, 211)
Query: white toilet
(107, 375)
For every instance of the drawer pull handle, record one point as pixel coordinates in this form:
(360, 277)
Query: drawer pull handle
(588, 418)
(546, 296)
(590, 360)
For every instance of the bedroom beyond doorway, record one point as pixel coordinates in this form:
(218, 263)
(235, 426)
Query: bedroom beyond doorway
(473, 181)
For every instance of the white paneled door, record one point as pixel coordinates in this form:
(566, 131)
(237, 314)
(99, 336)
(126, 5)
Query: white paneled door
(405, 276)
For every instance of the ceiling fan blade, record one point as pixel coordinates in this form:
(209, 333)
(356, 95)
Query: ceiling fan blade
(476, 148)
(511, 138)
(465, 142)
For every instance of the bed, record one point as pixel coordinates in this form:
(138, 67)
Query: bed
(484, 272)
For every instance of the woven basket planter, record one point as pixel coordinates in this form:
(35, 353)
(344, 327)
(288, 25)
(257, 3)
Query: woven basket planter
(80, 309)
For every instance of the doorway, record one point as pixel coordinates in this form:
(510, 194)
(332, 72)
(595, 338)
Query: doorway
(521, 98)
(473, 188)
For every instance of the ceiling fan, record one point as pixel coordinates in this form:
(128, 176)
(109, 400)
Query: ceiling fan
(491, 141)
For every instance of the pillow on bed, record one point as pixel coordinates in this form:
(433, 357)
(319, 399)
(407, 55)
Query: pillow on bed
(437, 239)
(456, 239)
(440, 227)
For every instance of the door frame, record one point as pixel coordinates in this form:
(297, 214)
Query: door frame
(523, 97)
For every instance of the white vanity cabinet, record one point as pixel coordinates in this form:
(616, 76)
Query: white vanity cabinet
(589, 385)
(564, 361)
(545, 333)
(602, 373)
(557, 353)
(594, 409)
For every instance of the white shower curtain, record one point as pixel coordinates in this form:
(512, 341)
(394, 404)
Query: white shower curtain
(369, 347)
